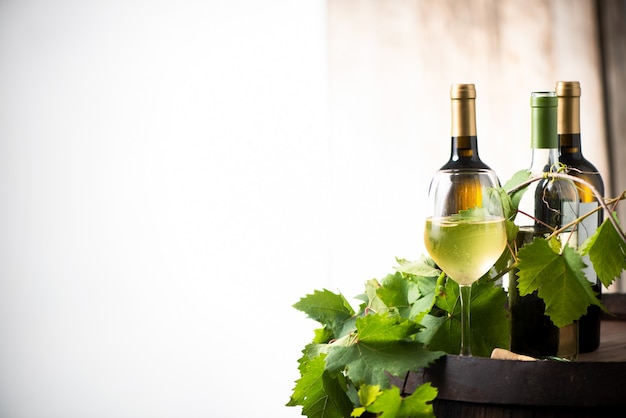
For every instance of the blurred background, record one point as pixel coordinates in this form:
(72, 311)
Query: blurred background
(174, 175)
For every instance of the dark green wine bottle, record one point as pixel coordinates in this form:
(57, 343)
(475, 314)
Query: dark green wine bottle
(546, 205)
(568, 93)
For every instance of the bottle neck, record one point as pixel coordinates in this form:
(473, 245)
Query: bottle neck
(463, 117)
(570, 144)
(544, 128)
(568, 115)
(568, 125)
(543, 160)
(544, 141)
(464, 141)
(464, 148)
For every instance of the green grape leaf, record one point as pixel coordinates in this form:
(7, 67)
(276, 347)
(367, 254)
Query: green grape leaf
(422, 307)
(517, 179)
(319, 394)
(419, 403)
(415, 284)
(489, 322)
(329, 309)
(323, 335)
(424, 267)
(441, 333)
(390, 403)
(607, 252)
(374, 302)
(558, 280)
(503, 262)
(384, 328)
(511, 231)
(471, 214)
(509, 210)
(412, 297)
(426, 285)
(382, 347)
(311, 351)
(426, 300)
(368, 394)
(397, 292)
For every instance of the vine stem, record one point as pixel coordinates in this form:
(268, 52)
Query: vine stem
(597, 195)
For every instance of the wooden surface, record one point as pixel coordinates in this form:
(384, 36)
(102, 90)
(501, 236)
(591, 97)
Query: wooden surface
(544, 382)
(593, 386)
(612, 343)
(613, 331)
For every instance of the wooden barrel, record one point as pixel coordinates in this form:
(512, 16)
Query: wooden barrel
(593, 386)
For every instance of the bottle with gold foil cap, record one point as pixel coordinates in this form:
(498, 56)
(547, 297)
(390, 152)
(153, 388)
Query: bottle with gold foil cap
(464, 145)
(464, 142)
(568, 93)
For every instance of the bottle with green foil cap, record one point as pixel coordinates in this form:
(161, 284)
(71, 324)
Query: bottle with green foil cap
(546, 205)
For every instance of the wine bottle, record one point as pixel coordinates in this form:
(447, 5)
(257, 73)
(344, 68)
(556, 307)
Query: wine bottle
(547, 205)
(464, 142)
(568, 93)
(464, 146)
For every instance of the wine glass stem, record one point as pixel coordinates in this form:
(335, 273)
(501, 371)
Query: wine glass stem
(466, 293)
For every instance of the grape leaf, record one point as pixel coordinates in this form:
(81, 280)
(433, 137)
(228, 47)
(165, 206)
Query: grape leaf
(558, 280)
(320, 395)
(390, 403)
(323, 335)
(489, 322)
(517, 179)
(409, 297)
(607, 252)
(382, 347)
(424, 267)
(374, 302)
(419, 403)
(509, 209)
(328, 308)
(426, 296)
(511, 231)
(410, 294)
(394, 292)
(426, 285)
(367, 396)
(422, 306)
(503, 262)
(384, 328)
(440, 333)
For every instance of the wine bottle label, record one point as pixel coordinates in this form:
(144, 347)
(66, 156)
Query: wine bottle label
(568, 216)
(570, 213)
(586, 229)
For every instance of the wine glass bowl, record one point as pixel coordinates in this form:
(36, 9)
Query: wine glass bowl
(465, 230)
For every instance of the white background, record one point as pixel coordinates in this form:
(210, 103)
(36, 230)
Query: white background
(163, 203)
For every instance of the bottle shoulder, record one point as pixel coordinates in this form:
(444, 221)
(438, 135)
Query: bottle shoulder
(576, 160)
(582, 168)
(463, 163)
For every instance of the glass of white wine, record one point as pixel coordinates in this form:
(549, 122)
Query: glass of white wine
(465, 232)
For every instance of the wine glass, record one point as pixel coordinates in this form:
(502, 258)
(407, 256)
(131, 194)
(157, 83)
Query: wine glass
(465, 232)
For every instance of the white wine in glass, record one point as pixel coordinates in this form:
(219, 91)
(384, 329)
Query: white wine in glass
(465, 232)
